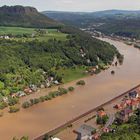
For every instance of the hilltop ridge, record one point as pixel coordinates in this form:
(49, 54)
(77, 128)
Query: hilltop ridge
(25, 17)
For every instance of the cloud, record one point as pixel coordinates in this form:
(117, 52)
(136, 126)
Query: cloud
(76, 5)
(67, 1)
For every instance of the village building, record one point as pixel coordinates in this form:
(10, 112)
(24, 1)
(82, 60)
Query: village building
(28, 90)
(101, 113)
(96, 136)
(85, 132)
(124, 115)
(21, 94)
(134, 104)
(133, 94)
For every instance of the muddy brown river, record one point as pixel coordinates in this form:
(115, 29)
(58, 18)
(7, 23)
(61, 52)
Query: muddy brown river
(40, 118)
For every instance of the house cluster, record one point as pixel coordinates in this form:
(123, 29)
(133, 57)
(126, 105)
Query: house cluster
(87, 132)
(127, 106)
(31, 89)
(27, 90)
(91, 30)
(124, 110)
(124, 38)
(4, 37)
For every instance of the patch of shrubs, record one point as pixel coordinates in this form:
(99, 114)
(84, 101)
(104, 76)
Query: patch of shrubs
(70, 89)
(26, 104)
(50, 96)
(53, 94)
(42, 99)
(13, 109)
(81, 82)
(12, 101)
(3, 105)
(62, 91)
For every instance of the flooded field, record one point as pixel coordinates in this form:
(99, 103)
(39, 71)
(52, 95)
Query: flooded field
(40, 118)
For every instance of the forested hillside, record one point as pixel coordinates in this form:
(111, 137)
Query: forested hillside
(118, 22)
(32, 62)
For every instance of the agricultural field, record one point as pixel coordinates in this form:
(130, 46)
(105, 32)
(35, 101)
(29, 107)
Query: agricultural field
(25, 34)
(50, 35)
(15, 30)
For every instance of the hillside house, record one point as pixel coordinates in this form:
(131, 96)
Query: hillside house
(124, 115)
(5, 37)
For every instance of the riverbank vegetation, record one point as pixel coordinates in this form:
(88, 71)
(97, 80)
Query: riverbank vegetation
(70, 89)
(13, 109)
(50, 96)
(81, 82)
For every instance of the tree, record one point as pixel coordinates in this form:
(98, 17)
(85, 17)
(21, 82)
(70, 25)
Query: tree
(1, 85)
(26, 104)
(81, 82)
(70, 88)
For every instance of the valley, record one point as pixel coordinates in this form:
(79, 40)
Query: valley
(69, 75)
(46, 116)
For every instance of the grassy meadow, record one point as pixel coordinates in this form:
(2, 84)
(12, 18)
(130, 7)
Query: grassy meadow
(50, 33)
(15, 30)
(72, 73)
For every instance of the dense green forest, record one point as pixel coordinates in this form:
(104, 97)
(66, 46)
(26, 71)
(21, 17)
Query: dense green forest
(32, 62)
(127, 131)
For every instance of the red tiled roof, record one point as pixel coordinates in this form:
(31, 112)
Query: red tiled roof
(101, 113)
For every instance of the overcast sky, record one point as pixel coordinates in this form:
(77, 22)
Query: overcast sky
(76, 5)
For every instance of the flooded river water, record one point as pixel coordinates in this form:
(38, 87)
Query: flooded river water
(40, 118)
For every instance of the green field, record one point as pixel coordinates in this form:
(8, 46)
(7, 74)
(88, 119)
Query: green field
(16, 30)
(70, 74)
(20, 30)
(50, 33)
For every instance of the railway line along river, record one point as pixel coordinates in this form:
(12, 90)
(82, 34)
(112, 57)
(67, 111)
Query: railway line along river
(45, 116)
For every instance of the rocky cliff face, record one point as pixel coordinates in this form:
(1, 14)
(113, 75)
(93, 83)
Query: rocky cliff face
(17, 10)
(25, 17)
